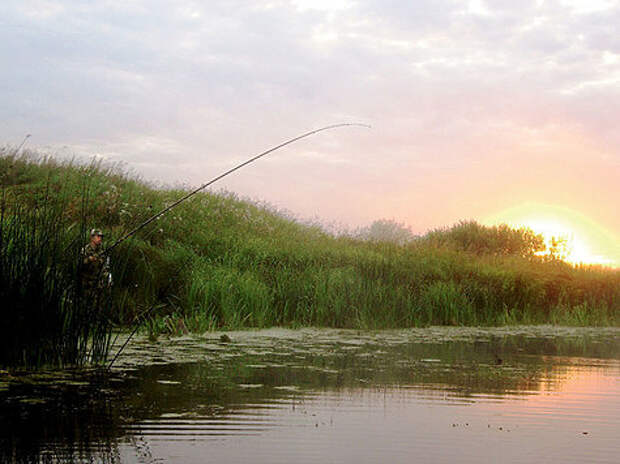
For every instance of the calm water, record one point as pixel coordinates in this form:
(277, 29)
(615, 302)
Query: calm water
(534, 394)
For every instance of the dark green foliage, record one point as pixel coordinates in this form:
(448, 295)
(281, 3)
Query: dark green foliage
(46, 318)
(496, 240)
(218, 261)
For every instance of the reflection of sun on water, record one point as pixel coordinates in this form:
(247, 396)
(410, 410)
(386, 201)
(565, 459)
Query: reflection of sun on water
(581, 240)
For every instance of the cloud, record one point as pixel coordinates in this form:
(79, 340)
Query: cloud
(453, 89)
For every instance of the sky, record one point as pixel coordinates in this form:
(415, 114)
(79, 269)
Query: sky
(497, 111)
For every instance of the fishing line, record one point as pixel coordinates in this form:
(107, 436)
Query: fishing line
(133, 332)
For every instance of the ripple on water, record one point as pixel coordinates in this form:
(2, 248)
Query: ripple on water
(519, 394)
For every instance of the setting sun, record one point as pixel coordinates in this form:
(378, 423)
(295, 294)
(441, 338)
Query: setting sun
(583, 241)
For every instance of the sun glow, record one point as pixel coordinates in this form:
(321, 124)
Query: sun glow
(581, 241)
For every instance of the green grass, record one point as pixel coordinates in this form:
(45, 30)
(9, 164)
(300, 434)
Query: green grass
(217, 261)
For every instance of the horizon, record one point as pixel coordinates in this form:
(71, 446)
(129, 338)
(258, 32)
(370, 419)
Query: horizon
(572, 250)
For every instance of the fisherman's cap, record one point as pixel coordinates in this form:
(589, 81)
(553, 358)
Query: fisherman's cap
(94, 232)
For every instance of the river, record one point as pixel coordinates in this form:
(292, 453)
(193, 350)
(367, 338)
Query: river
(439, 394)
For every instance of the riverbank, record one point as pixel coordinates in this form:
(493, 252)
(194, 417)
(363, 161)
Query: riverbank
(218, 261)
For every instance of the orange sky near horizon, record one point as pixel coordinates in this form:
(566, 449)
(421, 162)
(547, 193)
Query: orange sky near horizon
(586, 241)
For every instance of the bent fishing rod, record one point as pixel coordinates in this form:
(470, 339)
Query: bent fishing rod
(22, 144)
(230, 171)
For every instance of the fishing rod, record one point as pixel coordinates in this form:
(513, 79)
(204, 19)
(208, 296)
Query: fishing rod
(230, 171)
(22, 144)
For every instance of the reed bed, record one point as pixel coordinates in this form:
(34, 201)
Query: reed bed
(47, 321)
(217, 261)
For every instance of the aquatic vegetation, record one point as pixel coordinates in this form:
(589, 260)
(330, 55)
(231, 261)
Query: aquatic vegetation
(202, 391)
(218, 261)
(47, 319)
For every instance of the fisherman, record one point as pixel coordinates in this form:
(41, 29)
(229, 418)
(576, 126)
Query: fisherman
(95, 269)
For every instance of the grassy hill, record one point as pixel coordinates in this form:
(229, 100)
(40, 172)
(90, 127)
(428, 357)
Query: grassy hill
(217, 261)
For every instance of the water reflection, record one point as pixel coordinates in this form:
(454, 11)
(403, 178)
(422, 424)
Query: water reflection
(68, 419)
(330, 396)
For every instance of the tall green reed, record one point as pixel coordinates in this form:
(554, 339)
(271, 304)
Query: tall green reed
(47, 320)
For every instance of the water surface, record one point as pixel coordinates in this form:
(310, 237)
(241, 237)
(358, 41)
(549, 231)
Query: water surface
(530, 394)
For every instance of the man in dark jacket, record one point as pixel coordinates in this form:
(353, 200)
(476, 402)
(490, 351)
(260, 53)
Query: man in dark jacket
(95, 270)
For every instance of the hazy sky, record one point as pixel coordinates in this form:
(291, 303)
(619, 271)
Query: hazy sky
(477, 107)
